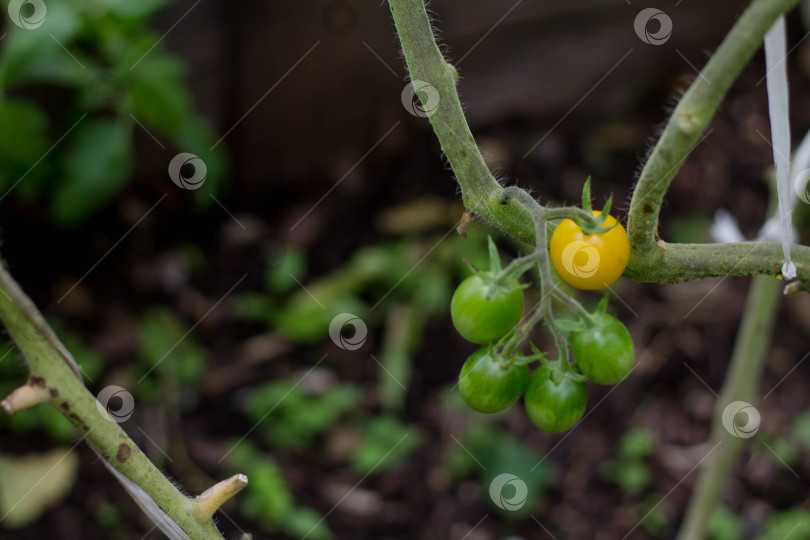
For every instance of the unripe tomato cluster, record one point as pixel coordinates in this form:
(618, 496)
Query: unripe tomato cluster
(484, 311)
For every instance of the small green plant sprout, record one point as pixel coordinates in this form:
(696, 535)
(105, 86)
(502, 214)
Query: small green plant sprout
(629, 469)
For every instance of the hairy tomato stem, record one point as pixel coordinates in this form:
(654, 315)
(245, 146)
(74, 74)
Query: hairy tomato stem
(650, 259)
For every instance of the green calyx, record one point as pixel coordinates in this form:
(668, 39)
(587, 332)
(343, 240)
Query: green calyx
(590, 223)
(500, 280)
(519, 359)
(562, 368)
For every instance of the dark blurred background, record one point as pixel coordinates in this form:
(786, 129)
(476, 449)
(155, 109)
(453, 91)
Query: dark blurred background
(323, 195)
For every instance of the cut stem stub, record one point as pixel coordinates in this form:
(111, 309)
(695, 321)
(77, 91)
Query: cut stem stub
(30, 394)
(207, 503)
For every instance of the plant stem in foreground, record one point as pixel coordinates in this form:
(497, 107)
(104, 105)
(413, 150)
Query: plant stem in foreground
(745, 370)
(52, 369)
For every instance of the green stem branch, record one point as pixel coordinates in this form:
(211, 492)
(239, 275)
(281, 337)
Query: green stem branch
(480, 191)
(670, 263)
(544, 310)
(650, 260)
(572, 304)
(688, 122)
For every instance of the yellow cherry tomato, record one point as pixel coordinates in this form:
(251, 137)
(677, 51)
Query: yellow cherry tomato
(592, 261)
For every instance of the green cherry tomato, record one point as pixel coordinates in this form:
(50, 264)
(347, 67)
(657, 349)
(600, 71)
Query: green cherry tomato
(483, 313)
(553, 401)
(487, 386)
(604, 350)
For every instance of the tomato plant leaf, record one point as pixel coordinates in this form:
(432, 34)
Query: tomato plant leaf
(158, 97)
(96, 167)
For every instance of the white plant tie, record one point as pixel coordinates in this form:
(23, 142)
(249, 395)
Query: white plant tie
(776, 66)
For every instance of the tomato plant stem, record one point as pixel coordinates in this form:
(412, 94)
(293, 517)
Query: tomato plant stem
(573, 305)
(650, 258)
(745, 370)
(52, 368)
(544, 310)
(684, 131)
(480, 190)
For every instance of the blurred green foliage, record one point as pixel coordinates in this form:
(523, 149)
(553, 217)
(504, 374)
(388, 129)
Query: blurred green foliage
(385, 442)
(629, 469)
(724, 525)
(485, 450)
(393, 271)
(777, 449)
(636, 444)
(801, 430)
(72, 92)
(108, 516)
(289, 417)
(410, 278)
(652, 513)
(794, 524)
(269, 501)
(166, 343)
